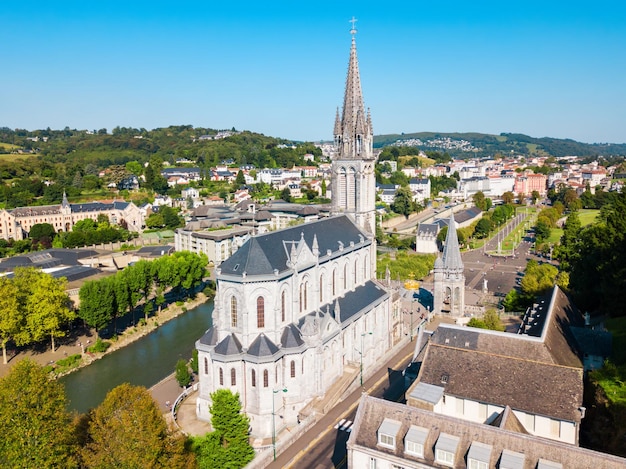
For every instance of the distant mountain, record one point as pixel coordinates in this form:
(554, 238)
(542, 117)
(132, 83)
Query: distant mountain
(465, 145)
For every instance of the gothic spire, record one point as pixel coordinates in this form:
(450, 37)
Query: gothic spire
(64, 202)
(451, 250)
(353, 132)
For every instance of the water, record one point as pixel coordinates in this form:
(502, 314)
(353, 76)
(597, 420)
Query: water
(144, 362)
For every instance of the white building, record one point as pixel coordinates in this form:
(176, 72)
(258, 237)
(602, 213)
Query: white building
(299, 309)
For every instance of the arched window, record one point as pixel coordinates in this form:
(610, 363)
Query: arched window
(233, 377)
(253, 378)
(260, 312)
(345, 276)
(283, 302)
(266, 378)
(221, 377)
(334, 282)
(303, 294)
(233, 311)
(356, 269)
(293, 369)
(206, 366)
(321, 287)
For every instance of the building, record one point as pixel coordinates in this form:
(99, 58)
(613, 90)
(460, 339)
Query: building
(353, 183)
(449, 281)
(17, 223)
(299, 310)
(426, 238)
(388, 435)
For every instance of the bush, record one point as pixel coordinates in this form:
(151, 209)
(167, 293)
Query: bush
(70, 361)
(180, 303)
(182, 373)
(100, 346)
(194, 361)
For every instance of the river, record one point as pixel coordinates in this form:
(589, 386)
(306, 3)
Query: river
(144, 362)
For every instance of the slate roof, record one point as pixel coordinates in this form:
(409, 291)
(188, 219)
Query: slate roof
(47, 259)
(468, 214)
(427, 229)
(373, 411)
(265, 253)
(209, 337)
(291, 337)
(351, 303)
(524, 383)
(262, 346)
(230, 345)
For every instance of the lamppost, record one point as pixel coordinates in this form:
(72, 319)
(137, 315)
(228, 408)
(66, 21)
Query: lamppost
(274, 391)
(361, 353)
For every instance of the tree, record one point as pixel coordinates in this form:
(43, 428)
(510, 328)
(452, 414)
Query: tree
(11, 315)
(97, 302)
(42, 233)
(47, 308)
(535, 196)
(403, 202)
(128, 430)
(508, 197)
(36, 428)
(228, 445)
(240, 180)
(183, 377)
(285, 194)
(479, 200)
(483, 228)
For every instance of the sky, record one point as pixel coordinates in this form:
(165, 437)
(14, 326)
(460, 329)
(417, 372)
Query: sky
(541, 68)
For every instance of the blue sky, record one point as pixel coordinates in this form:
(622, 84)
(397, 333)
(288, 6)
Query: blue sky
(543, 68)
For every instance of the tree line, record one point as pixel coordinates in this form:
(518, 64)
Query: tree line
(106, 299)
(127, 430)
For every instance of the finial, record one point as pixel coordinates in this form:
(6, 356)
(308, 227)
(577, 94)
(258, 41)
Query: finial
(353, 30)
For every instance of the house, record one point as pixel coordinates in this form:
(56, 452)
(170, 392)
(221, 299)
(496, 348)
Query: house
(388, 435)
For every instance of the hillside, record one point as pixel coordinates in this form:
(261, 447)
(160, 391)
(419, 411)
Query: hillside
(465, 145)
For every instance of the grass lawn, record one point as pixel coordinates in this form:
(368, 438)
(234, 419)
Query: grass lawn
(588, 216)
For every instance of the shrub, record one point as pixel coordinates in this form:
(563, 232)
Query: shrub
(70, 361)
(182, 373)
(100, 346)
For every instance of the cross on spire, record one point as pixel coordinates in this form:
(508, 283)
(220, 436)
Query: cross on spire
(353, 21)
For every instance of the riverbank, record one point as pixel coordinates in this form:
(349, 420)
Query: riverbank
(76, 344)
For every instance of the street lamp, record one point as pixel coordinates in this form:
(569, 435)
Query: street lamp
(274, 391)
(361, 353)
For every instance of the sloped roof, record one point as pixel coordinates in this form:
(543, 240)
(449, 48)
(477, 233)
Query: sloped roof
(209, 337)
(291, 337)
(373, 411)
(262, 346)
(230, 345)
(424, 229)
(265, 253)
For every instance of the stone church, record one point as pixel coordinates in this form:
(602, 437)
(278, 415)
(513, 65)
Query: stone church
(299, 310)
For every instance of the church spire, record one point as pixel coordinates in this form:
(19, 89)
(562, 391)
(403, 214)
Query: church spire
(353, 133)
(451, 251)
(64, 202)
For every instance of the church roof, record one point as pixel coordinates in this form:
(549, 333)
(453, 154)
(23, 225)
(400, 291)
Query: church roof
(451, 250)
(266, 253)
(230, 345)
(262, 346)
(291, 337)
(430, 229)
(209, 337)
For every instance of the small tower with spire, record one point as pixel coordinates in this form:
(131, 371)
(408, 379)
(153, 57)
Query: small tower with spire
(449, 294)
(353, 182)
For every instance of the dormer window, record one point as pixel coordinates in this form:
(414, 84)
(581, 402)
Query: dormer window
(415, 440)
(478, 456)
(445, 449)
(387, 433)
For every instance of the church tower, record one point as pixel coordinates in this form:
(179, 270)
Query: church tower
(449, 295)
(353, 182)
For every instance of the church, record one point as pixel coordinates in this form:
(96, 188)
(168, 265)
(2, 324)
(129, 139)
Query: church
(297, 310)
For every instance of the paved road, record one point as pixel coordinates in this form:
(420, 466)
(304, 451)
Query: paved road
(323, 446)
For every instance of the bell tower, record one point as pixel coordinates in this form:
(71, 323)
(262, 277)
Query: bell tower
(449, 294)
(353, 182)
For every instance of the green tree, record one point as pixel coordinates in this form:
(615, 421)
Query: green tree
(227, 446)
(508, 197)
(479, 200)
(127, 430)
(240, 180)
(535, 196)
(11, 315)
(285, 194)
(483, 228)
(183, 377)
(403, 202)
(42, 234)
(36, 429)
(47, 308)
(97, 302)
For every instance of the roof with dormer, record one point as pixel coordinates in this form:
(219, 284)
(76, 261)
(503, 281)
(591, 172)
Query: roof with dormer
(271, 252)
